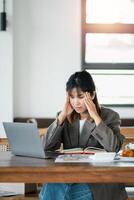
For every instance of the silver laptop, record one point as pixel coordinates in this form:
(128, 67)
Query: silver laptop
(24, 140)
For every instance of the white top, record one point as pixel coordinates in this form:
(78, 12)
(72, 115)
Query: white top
(82, 121)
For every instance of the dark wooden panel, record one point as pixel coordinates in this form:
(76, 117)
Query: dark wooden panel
(42, 122)
(127, 122)
(45, 122)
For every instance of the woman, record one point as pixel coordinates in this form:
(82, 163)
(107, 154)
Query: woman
(82, 123)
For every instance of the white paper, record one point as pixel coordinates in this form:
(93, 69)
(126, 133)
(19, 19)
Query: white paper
(72, 158)
(126, 159)
(83, 158)
(103, 157)
(16, 188)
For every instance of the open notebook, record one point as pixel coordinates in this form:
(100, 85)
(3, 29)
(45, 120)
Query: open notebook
(87, 150)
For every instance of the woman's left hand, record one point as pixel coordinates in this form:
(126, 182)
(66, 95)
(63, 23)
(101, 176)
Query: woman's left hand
(92, 108)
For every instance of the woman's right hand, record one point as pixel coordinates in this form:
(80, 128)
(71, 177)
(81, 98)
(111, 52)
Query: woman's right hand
(67, 110)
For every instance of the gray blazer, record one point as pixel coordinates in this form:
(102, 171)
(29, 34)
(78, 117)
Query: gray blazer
(106, 135)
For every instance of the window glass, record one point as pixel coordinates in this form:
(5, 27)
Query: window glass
(114, 86)
(109, 48)
(110, 11)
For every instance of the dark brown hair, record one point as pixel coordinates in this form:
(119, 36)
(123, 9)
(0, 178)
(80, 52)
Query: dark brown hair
(82, 81)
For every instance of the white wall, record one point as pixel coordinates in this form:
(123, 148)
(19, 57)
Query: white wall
(6, 70)
(47, 36)
(46, 51)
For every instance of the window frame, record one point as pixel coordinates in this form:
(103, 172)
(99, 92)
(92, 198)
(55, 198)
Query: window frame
(101, 28)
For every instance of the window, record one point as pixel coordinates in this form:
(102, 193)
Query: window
(108, 34)
(114, 87)
(108, 49)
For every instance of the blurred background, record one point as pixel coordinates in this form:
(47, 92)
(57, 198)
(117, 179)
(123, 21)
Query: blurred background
(45, 41)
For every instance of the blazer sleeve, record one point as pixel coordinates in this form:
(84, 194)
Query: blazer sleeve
(53, 138)
(107, 133)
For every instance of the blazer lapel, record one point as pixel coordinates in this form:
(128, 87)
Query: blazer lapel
(86, 132)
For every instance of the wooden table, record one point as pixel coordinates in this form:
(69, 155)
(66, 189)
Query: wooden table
(34, 170)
